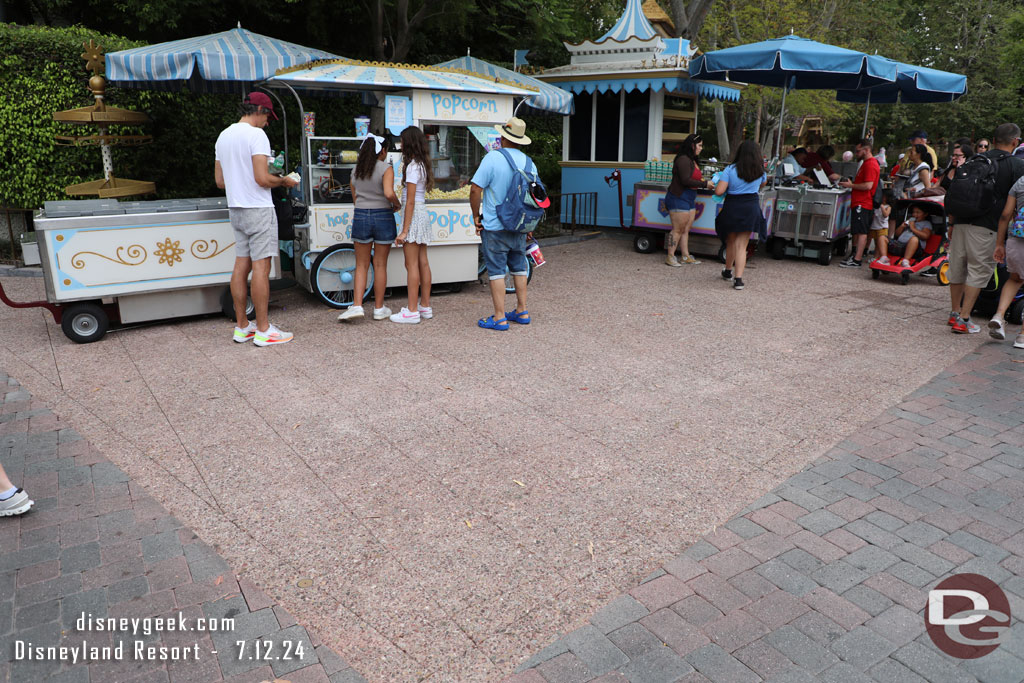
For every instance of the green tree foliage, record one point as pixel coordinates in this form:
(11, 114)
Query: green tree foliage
(43, 73)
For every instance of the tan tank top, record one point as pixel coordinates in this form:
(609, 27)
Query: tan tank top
(370, 191)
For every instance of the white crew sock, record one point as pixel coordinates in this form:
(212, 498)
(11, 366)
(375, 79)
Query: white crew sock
(8, 493)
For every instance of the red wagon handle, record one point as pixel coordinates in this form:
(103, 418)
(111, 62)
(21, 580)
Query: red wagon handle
(55, 309)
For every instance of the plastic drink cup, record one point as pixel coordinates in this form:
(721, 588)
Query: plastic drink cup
(362, 126)
(534, 254)
(309, 123)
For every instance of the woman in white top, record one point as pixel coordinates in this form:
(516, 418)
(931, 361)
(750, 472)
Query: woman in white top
(921, 173)
(418, 178)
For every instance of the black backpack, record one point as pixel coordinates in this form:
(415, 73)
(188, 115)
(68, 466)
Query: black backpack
(971, 192)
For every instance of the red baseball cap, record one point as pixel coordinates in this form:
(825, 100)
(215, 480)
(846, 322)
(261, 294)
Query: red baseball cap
(261, 99)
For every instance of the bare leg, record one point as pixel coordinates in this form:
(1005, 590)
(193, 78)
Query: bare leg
(684, 241)
(498, 297)
(970, 298)
(425, 277)
(739, 250)
(956, 296)
(672, 239)
(412, 274)
(5, 483)
(860, 242)
(520, 282)
(380, 273)
(882, 246)
(260, 291)
(362, 267)
(1006, 296)
(240, 289)
(730, 251)
(911, 248)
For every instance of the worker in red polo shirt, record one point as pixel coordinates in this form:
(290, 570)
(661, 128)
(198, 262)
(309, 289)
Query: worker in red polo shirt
(862, 201)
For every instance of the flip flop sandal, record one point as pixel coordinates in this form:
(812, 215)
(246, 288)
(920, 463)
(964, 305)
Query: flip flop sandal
(489, 323)
(521, 318)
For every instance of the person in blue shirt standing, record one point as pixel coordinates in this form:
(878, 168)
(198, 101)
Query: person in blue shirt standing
(741, 215)
(502, 248)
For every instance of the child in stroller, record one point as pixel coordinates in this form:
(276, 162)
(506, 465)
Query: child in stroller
(919, 240)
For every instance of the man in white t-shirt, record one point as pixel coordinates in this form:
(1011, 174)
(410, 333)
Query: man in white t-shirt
(242, 155)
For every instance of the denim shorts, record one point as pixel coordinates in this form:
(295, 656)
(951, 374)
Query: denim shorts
(684, 202)
(374, 225)
(504, 249)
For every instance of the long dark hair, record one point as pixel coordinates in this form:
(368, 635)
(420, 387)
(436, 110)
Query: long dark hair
(923, 155)
(366, 162)
(414, 148)
(748, 161)
(689, 146)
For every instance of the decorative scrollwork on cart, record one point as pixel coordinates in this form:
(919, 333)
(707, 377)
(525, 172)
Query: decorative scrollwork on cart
(133, 255)
(207, 249)
(168, 251)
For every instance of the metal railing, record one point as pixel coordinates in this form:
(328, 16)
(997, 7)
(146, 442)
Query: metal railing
(577, 209)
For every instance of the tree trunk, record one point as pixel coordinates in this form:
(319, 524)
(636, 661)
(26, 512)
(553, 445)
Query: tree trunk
(724, 151)
(689, 17)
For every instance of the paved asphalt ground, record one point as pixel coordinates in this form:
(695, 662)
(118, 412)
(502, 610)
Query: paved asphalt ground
(708, 489)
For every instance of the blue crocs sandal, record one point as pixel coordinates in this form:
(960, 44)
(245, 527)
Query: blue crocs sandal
(489, 323)
(521, 318)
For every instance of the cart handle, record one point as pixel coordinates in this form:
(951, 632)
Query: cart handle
(55, 309)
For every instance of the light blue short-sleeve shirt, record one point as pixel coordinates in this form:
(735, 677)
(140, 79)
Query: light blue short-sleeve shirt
(739, 186)
(494, 176)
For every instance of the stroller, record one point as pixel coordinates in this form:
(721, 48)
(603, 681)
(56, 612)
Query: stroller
(931, 254)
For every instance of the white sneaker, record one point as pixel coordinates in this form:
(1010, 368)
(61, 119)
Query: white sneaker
(243, 335)
(271, 336)
(1018, 343)
(351, 312)
(883, 261)
(905, 263)
(996, 329)
(406, 316)
(381, 313)
(426, 312)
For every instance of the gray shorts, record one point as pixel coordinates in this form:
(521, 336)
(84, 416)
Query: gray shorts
(1015, 255)
(255, 232)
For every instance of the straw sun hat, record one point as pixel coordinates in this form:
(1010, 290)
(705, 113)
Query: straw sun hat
(514, 130)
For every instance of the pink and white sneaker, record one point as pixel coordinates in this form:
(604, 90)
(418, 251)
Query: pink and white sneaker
(426, 312)
(406, 316)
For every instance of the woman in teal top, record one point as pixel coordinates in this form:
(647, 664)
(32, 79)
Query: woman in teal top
(741, 213)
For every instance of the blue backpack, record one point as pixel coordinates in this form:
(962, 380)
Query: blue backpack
(525, 200)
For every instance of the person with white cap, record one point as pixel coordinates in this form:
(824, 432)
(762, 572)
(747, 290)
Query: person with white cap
(504, 251)
(242, 155)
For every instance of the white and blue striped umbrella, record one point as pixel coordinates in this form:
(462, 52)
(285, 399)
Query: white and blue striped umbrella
(632, 24)
(548, 97)
(346, 74)
(220, 62)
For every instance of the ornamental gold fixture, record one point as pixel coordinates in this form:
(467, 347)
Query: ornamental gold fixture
(103, 116)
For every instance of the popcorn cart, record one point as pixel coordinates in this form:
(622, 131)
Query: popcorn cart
(456, 109)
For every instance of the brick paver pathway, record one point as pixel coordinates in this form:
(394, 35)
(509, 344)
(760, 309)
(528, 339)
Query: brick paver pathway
(96, 544)
(826, 577)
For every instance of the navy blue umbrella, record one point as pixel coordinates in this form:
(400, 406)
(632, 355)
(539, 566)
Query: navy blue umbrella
(795, 63)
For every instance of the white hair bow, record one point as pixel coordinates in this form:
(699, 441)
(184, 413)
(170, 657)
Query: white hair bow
(378, 141)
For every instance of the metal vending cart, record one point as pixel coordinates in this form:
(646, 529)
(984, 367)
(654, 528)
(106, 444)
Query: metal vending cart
(810, 222)
(456, 109)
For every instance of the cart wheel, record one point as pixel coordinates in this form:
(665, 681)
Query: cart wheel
(1015, 313)
(905, 277)
(825, 255)
(227, 306)
(510, 287)
(778, 248)
(943, 277)
(332, 277)
(721, 253)
(84, 322)
(645, 243)
(875, 274)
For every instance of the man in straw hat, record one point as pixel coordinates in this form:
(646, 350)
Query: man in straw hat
(504, 250)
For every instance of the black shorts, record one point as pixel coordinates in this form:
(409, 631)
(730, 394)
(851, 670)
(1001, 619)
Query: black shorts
(860, 220)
